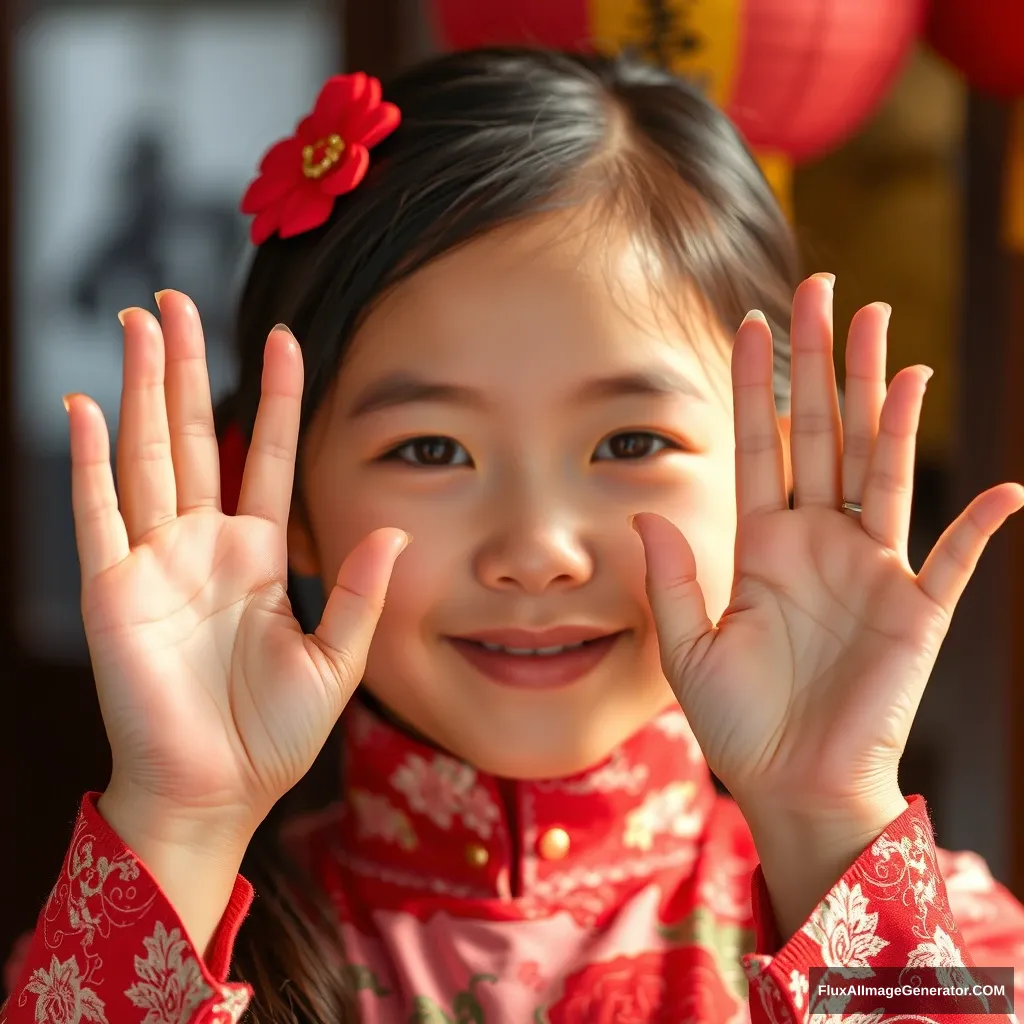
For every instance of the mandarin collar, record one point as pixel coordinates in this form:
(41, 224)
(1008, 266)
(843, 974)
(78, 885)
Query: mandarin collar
(421, 819)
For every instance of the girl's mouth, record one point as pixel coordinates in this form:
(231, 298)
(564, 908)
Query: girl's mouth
(536, 668)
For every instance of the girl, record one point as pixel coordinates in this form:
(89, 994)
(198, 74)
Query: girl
(511, 342)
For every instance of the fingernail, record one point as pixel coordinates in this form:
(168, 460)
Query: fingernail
(632, 518)
(408, 541)
(928, 373)
(887, 308)
(755, 314)
(284, 327)
(159, 295)
(125, 312)
(829, 279)
(66, 399)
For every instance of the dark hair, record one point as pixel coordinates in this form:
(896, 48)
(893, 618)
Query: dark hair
(489, 137)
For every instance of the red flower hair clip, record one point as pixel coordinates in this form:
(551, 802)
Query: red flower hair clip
(301, 176)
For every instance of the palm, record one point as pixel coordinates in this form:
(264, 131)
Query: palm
(211, 693)
(810, 681)
(820, 618)
(175, 633)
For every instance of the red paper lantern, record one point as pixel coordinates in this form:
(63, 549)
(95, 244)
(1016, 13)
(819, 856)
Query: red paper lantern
(796, 76)
(984, 39)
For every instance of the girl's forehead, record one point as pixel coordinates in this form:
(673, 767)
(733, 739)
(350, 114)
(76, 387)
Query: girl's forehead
(561, 292)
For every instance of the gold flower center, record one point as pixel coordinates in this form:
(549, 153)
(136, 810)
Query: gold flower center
(321, 156)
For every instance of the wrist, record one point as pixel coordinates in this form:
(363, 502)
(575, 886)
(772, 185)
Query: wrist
(804, 852)
(784, 824)
(145, 821)
(193, 860)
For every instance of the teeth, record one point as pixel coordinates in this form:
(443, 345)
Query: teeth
(545, 651)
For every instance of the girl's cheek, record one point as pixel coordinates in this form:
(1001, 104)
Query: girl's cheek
(706, 516)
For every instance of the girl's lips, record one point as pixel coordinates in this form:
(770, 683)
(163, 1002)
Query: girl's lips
(537, 671)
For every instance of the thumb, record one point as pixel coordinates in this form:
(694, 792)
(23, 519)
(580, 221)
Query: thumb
(673, 591)
(354, 607)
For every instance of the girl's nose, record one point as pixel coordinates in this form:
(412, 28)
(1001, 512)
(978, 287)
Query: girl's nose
(535, 558)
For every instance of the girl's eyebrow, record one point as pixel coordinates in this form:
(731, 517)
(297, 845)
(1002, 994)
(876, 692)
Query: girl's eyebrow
(407, 389)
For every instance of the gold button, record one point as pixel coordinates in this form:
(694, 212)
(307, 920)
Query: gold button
(554, 844)
(477, 855)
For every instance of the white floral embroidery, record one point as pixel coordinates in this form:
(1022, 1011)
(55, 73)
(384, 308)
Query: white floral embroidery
(436, 789)
(62, 996)
(420, 881)
(942, 955)
(233, 1003)
(378, 818)
(172, 985)
(669, 811)
(969, 886)
(763, 988)
(444, 789)
(905, 865)
(94, 894)
(859, 1018)
(479, 812)
(726, 889)
(674, 725)
(754, 965)
(799, 986)
(617, 774)
(560, 883)
(844, 929)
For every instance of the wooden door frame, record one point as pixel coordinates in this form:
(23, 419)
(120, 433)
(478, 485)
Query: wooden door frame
(1015, 446)
(990, 436)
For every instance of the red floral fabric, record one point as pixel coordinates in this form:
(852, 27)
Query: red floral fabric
(457, 905)
(641, 989)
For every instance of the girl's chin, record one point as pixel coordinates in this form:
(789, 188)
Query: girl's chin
(534, 751)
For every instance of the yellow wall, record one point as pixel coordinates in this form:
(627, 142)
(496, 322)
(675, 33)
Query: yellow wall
(882, 213)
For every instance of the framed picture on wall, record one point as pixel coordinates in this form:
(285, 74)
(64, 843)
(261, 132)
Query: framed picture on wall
(138, 126)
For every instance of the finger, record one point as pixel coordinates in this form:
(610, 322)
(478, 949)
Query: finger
(676, 599)
(760, 466)
(865, 394)
(353, 610)
(189, 405)
(889, 485)
(99, 529)
(145, 469)
(949, 566)
(270, 465)
(815, 440)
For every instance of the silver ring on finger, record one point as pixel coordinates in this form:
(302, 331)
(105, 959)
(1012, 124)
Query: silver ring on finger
(851, 508)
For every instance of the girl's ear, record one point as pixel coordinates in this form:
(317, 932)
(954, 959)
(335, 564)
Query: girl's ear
(303, 559)
(784, 429)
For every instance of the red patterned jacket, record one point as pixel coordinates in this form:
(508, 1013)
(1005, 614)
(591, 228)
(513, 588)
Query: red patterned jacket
(626, 894)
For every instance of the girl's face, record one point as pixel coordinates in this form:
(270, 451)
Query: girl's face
(510, 406)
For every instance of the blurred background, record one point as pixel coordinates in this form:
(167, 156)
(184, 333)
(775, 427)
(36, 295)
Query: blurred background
(128, 131)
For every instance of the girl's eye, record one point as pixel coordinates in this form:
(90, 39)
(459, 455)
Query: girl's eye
(430, 451)
(443, 452)
(634, 444)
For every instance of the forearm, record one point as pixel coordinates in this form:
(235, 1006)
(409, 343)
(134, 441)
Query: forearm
(195, 864)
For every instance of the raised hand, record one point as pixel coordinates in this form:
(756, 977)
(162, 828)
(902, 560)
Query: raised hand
(214, 700)
(803, 695)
